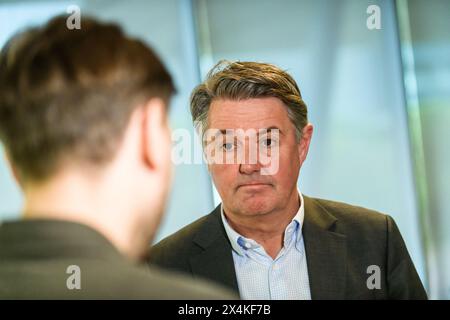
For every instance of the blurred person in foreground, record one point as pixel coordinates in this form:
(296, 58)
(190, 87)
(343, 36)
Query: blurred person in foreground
(83, 119)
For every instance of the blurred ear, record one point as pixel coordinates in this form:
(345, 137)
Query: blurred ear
(305, 140)
(156, 135)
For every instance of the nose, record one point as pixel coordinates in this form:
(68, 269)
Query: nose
(249, 159)
(245, 168)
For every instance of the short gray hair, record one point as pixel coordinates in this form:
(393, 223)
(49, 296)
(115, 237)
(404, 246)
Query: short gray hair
(246, 80)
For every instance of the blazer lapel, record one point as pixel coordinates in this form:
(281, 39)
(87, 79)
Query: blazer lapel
(215, 262)
(325, 253)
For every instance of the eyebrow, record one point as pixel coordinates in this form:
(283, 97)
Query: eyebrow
(269, 129)
(274, 128)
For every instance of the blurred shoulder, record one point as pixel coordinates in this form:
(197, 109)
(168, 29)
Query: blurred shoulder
(155, 283)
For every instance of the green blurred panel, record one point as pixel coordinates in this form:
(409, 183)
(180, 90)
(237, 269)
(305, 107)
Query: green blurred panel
(425, 41)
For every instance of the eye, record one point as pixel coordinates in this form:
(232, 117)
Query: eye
(268, 142)
(228, 146)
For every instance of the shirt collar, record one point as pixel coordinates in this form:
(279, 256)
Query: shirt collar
(238, 241)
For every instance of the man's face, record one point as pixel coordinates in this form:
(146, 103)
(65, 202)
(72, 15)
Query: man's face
(244, 186)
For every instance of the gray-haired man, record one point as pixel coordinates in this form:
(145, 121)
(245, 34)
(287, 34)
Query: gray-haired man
(266, 240)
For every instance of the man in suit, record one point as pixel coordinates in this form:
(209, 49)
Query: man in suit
(83, 118)
(266, 240)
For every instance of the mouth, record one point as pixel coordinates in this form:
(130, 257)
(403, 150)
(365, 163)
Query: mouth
(253, 185)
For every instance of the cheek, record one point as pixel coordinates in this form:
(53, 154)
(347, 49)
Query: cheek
(224, 177)
(288, 168)
(294, 155)
(168, 143)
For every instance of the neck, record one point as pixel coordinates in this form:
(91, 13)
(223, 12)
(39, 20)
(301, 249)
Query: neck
(266, 229)
(74, 197)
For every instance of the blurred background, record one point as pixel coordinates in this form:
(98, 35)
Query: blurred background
(379, 99)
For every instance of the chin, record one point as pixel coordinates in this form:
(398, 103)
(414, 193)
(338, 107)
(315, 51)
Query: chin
(255, 207)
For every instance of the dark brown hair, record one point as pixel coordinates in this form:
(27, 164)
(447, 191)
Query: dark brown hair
(246, 80)
(67, 95)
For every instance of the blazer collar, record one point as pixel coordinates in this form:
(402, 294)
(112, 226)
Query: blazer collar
(215, 262)
(325, 252)
(48, 238)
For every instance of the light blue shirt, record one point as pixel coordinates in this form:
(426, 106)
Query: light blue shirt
(259, 276)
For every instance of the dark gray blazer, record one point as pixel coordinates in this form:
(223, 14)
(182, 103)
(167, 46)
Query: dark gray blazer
(341, 242)
(35, 256)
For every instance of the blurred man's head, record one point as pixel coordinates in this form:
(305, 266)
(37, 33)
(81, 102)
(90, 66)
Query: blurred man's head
(87, 108)
(263, 98)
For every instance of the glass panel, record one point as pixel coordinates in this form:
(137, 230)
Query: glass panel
(168, 27)
(350, 78)
(425, 41)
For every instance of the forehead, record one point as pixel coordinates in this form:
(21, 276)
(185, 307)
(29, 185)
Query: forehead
(250, 113)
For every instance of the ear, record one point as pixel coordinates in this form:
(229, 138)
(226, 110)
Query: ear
(305, 140)
(156, 135)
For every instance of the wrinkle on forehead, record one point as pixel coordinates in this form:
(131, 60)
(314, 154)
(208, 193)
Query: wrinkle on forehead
(258, 113)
